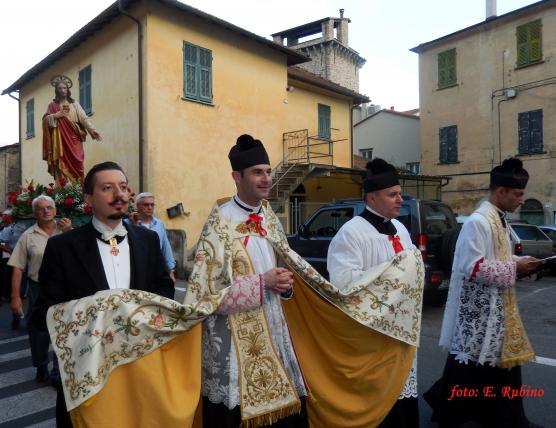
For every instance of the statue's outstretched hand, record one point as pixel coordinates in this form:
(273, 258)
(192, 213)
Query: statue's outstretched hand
(95, 135)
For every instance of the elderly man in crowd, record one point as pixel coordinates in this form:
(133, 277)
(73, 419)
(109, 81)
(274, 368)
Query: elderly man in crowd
(8, 239)
(145, 217)
(28, 254)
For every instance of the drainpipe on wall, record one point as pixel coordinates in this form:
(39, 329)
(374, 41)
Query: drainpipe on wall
(20, 140)
(139, 90)
(353, 107)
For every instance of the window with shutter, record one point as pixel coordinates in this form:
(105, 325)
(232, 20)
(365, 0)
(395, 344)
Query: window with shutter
(324, 121)
(529, 43)
(530, 132)
(197, 73)
(30, 114)
(85, 98)
(447, 73)
(448, 144)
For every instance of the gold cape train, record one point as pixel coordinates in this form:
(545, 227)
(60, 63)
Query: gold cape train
(129, 358)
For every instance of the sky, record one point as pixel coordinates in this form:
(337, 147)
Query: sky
(382, 31)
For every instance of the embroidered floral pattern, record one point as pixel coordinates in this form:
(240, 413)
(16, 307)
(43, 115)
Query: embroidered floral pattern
(139, 323)
(244, 294)
(494, 272)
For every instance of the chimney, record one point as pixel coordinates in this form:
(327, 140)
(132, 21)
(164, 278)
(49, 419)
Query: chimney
(342, 31)
(490, 9)
(328, 29)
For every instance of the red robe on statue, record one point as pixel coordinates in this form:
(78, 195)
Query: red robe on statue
(63, 145)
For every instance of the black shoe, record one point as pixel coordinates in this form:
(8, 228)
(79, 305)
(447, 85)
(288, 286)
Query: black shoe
(55, 378)
(16, 322)
(42, 375)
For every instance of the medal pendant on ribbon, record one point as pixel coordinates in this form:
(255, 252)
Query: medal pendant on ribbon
(114, 247)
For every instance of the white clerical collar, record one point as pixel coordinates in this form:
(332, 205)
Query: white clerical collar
(385, 219)
(106, 231)
(500, 212)
(246, 207)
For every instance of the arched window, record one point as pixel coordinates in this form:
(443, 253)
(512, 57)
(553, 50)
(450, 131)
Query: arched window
(532, 212)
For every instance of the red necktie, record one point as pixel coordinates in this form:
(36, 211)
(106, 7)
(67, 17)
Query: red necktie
(395, 240)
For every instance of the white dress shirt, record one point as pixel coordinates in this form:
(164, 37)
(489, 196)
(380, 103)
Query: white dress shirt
(117, 268)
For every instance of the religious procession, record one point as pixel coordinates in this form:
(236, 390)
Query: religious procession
(287, 282)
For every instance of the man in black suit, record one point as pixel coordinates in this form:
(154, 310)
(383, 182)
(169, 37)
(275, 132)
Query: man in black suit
(103, 254)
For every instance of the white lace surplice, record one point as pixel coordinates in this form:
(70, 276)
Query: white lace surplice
(358, 247)
(219, 362)
(473, 325)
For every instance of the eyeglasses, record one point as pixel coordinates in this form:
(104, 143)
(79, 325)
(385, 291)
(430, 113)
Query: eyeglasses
(44, 209)
(146, 204)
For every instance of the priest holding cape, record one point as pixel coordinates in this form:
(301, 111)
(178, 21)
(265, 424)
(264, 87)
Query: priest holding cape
(260, 340)
(482, 328)
(367, 240)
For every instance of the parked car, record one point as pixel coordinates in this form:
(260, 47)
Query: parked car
(530, 240)
(550, 231)
(431, 224)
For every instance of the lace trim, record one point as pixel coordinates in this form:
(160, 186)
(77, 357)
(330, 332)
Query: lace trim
(495, 273)
(244, 294)
(479, 330)
(410, 387)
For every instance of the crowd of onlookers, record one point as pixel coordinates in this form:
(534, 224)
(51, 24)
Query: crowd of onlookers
(23, 243)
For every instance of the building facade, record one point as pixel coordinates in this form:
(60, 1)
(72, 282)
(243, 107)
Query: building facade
(170, 88)
(390, 135)
(488, 92)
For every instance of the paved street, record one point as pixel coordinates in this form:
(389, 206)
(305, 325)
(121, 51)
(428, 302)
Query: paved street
(24, 403)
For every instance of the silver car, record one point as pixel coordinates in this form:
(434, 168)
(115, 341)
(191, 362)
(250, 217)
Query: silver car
(529, 240)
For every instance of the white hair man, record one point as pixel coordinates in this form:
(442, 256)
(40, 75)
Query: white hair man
(145, 217)
(28, 254)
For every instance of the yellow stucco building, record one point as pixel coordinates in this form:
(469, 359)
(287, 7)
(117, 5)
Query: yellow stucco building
(487, 92)
(170, 88)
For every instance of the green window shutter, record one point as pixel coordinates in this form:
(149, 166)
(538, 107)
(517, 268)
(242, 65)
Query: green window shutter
(190, 60)
(535, 41)
(30, 114)
(522, 46)
(441, 70)
(447, 75)
(324, 121)
(451, 67)
(529, 43)
(205, 74)
(85, 89)
(197, 70)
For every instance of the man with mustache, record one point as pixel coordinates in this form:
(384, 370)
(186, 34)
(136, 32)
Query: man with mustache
(103, 254)
(367, 240)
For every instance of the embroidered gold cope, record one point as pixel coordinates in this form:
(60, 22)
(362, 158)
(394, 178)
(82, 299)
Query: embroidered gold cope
(94, 335)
